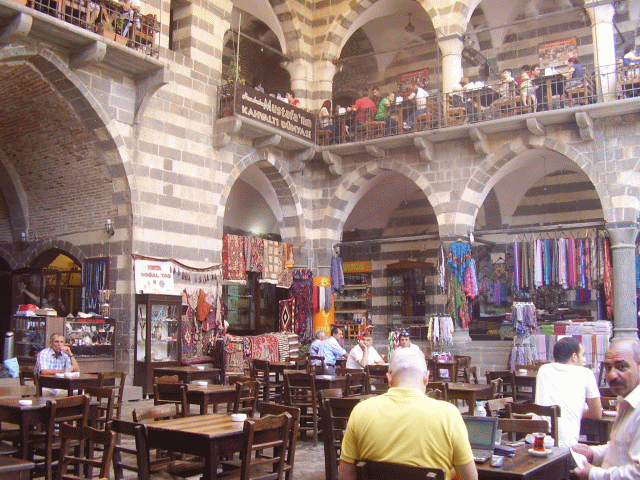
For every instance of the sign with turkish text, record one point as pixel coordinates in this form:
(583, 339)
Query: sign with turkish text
(251, 103)
(153, 277)
(405, 81)
(556, 54)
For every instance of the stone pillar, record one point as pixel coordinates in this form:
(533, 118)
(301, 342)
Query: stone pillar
(323, 73)
(451, 48)
(604, 47)
(623, 237)
(301, 72)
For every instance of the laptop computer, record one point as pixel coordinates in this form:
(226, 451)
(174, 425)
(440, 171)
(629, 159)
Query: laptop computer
(482, 436)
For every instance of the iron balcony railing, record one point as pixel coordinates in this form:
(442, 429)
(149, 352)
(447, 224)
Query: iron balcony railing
(474, 105)
(109, 18)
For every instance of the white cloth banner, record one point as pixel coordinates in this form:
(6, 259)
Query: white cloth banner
(153, 277)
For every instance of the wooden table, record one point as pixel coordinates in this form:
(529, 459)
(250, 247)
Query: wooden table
(469, 392)
(15, 468)
(187, 374)
(279, 367)
(523, 465)
(330, 381)
(551, 85)
(205, 395)
(527, 379)
(69, 383)
(25, 416)
(207, 436)
(597, 430)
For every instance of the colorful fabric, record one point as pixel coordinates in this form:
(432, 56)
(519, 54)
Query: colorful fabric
(289, 260)
(254, 254)
(287, 311)
(233, 263)
(285, 280)
(187, 340)
(302, 290)
(283, 344)
(608, 278)
(204, 305)
(265, 347)
(337, 274)
(273, 261)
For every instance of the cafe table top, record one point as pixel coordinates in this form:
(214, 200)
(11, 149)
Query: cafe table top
(15, 468)
(205, 395)
(207, 436)
(189, 373)
(524, 466)
(69, 383)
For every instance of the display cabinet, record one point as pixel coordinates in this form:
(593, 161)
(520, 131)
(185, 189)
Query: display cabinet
(158, 336)
(406, 293)
(239, 299)
(92, 341)
(353, 304)
(32, 334)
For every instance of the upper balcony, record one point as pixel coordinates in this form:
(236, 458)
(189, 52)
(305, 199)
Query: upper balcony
(104, 32)
(552, 99)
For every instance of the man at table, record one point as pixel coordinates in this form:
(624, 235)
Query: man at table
(314, 348)
(568, 384)
(363, 106)
(363, 354)
(405, 341)
(420, 95)
(407, 427)
(331, 350)
(620, 458)
(57, 358)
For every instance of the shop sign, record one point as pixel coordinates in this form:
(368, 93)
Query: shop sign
(268, 110)
(154, 277)
(356, 267)
(405, 81)
(556, 54)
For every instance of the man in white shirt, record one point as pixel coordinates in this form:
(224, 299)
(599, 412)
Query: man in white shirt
(405, 341)
(420, 95)
(568, 384)
(620, 458)
(363, 354)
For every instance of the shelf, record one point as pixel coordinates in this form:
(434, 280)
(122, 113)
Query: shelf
(357, 287)
(355, 299)
(359, 310)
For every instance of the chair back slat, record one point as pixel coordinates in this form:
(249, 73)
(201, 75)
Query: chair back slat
(271, 431)
(175, 393)
(264, 409)
(552, 412)
(104, 397)
(88, 438)
(116, 382)
(300, 392)
(247, 397)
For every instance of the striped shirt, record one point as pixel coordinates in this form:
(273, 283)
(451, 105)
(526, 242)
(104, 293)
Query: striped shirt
(48, 360)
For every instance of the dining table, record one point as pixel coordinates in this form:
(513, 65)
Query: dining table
(598, 431)
(470, 392)
(15, 468)
(526, 379)
(330, 381)
(68, 382)
(208, 436)
(190, 373)
(524, 466)
(205, 395)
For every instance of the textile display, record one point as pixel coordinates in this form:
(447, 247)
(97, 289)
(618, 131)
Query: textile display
(289, 260)
(457, 302)
(285, 280)
(94, 279)
(254, 254)
(204, 305)
(187, 340)
(459, 259)
(264, 347)
(394, 341)
(283, 344)
(302, 290)
(273, 261)
(233, 262)
(337, 274)
(462, 282)
(523, 316)
(287, 310)
(440, 330)
(522, 354)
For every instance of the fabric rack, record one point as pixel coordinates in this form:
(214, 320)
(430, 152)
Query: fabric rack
(524, 320)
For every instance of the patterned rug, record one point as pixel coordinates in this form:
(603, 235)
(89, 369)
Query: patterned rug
(265, 347)
(233, 263)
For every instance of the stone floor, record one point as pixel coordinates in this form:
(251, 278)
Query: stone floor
(309, 460)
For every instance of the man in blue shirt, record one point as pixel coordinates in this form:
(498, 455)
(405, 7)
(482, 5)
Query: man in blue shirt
(331, 350)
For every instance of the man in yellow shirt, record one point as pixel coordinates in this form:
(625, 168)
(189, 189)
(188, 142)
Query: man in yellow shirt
(407, 427)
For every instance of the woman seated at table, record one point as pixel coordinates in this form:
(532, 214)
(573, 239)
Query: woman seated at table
(326, 120)
(384, 114)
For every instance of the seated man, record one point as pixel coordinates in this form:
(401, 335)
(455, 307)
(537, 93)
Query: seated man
(407, 427)
(56, 359)
(331, 350)
(314, 348)
(363, 354)
(363, 106)
(568, 384)
(405, 341)
(420, 95)
(620, 458)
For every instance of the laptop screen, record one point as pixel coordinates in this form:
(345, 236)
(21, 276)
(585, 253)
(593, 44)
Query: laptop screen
(482, 431)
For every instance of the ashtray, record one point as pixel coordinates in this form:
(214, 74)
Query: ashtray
(72, 374)
(537, 453)
(238, 417)
(200, 367)
(25, 402)
(203, 383)
(60, 375)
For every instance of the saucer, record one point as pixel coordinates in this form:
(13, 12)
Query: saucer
(535, 453)
(239, 417)
(25, 402)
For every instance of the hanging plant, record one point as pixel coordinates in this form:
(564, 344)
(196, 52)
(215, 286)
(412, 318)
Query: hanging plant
(234, 71)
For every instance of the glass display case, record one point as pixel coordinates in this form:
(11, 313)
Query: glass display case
(32, 335)
(158, 336)
(91, 337)
(240, 303)
(353, 304)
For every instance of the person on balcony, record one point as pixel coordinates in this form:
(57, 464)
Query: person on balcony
(291, 98)
(257, 84)
(384, 114)
(130, 9)
(506, 81)
(326, 120)
(420, 95)
(527, 88)
(363, 106)
(375, 96)
(574, 76)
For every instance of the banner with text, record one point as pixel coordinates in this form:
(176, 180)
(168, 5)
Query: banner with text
(154, 277)
(253, 104)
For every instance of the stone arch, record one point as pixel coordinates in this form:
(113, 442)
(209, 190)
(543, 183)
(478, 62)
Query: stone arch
(494, 167)
(9, 258)
(292, 228)
(346, 194)
(109, 143)
(15, 198)
(71, 250)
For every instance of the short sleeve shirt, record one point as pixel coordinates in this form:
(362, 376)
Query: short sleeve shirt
(48, 360)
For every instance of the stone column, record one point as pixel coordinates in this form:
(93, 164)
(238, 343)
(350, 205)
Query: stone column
(623, 237)
(301, 72)
(323, 73)
(451, 48)
(604, 47)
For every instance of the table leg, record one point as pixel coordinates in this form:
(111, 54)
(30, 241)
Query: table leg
(204, 406)
(24, 434)
(211, 462)
(472, 403)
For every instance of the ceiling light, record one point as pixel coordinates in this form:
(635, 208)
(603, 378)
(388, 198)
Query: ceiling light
(410, 28)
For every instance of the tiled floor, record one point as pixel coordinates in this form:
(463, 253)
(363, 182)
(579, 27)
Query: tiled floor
(309, 460)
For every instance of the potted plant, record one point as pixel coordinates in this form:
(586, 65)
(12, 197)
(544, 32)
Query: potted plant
(108, 31)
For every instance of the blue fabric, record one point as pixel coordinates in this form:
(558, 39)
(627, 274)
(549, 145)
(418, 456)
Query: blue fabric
(331, 351)
(337, 275)
(578, 71)
(13, 367)
(457, 263)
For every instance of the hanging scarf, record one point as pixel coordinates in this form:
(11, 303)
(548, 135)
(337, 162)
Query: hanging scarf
(608, 278)
(459, 259)
(516, 267)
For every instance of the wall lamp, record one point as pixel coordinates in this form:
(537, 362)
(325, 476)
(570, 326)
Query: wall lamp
(108, 228)
(471, 237)
(23, 239)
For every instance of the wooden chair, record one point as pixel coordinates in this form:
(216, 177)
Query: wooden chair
(89, 438)
(508, 381)
(496, 407)
(156, 412)
(377, 378)
(317, 369)
(552, 412)
(429, 119)
(515, 426)
(27, 375)
(138, 450)
(264, 409)
(335, 415)
(371, 128)
(581, 94)
(442, 386)
(383, 471)
(628, 77)
(344, 371)
(175, 393)
(470, 375)
(451, 369)
(271, 431)
(246, 397)
(260, 370)
(505, 106)
(496, 387)
(73, 410)
(300, 392)
(464, 361)
(434, 393)
(356, 384)
(529, 368)
(115, 381)
(324, 137)
(104, 397)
